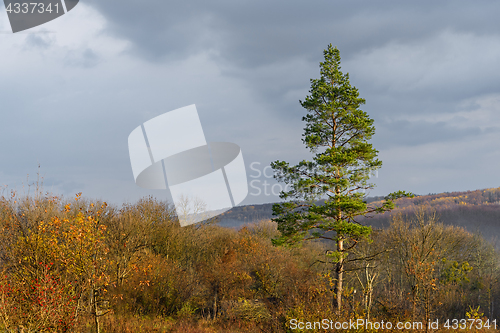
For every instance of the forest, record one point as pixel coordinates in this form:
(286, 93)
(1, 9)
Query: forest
(84, 266)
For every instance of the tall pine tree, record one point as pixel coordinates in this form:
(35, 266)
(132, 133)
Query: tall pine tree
(337, 132)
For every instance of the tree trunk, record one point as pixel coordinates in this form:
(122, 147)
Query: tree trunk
(95, 310)
(337, 302)
(215, 305)
(97, 325)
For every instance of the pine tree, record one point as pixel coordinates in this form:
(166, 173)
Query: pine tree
(327, 194)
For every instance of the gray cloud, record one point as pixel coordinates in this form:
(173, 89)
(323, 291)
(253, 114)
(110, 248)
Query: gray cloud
(413, 133)
(82, 58)
(427, 70)
(41, 41)
(254, 33)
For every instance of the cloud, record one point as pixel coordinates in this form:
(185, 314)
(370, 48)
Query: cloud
(41, 41)
(448, 66)
(70, 98)
(458, 165)
(255, 33)
(85, 58)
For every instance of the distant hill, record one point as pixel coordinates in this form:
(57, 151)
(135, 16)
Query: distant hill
(238, 216)
(477, 211)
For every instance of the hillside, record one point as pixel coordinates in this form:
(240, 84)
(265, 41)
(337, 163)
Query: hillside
(477, 211)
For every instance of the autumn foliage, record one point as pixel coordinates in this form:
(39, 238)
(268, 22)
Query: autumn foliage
(85, 266)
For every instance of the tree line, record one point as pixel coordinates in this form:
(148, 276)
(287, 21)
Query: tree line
(84, 266)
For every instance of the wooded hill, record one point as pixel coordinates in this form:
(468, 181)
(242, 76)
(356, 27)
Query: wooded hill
(477, 211)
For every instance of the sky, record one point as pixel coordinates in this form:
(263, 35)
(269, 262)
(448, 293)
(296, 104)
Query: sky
(73, 89)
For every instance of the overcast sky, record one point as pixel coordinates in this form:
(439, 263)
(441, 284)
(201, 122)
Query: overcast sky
(73, 89)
